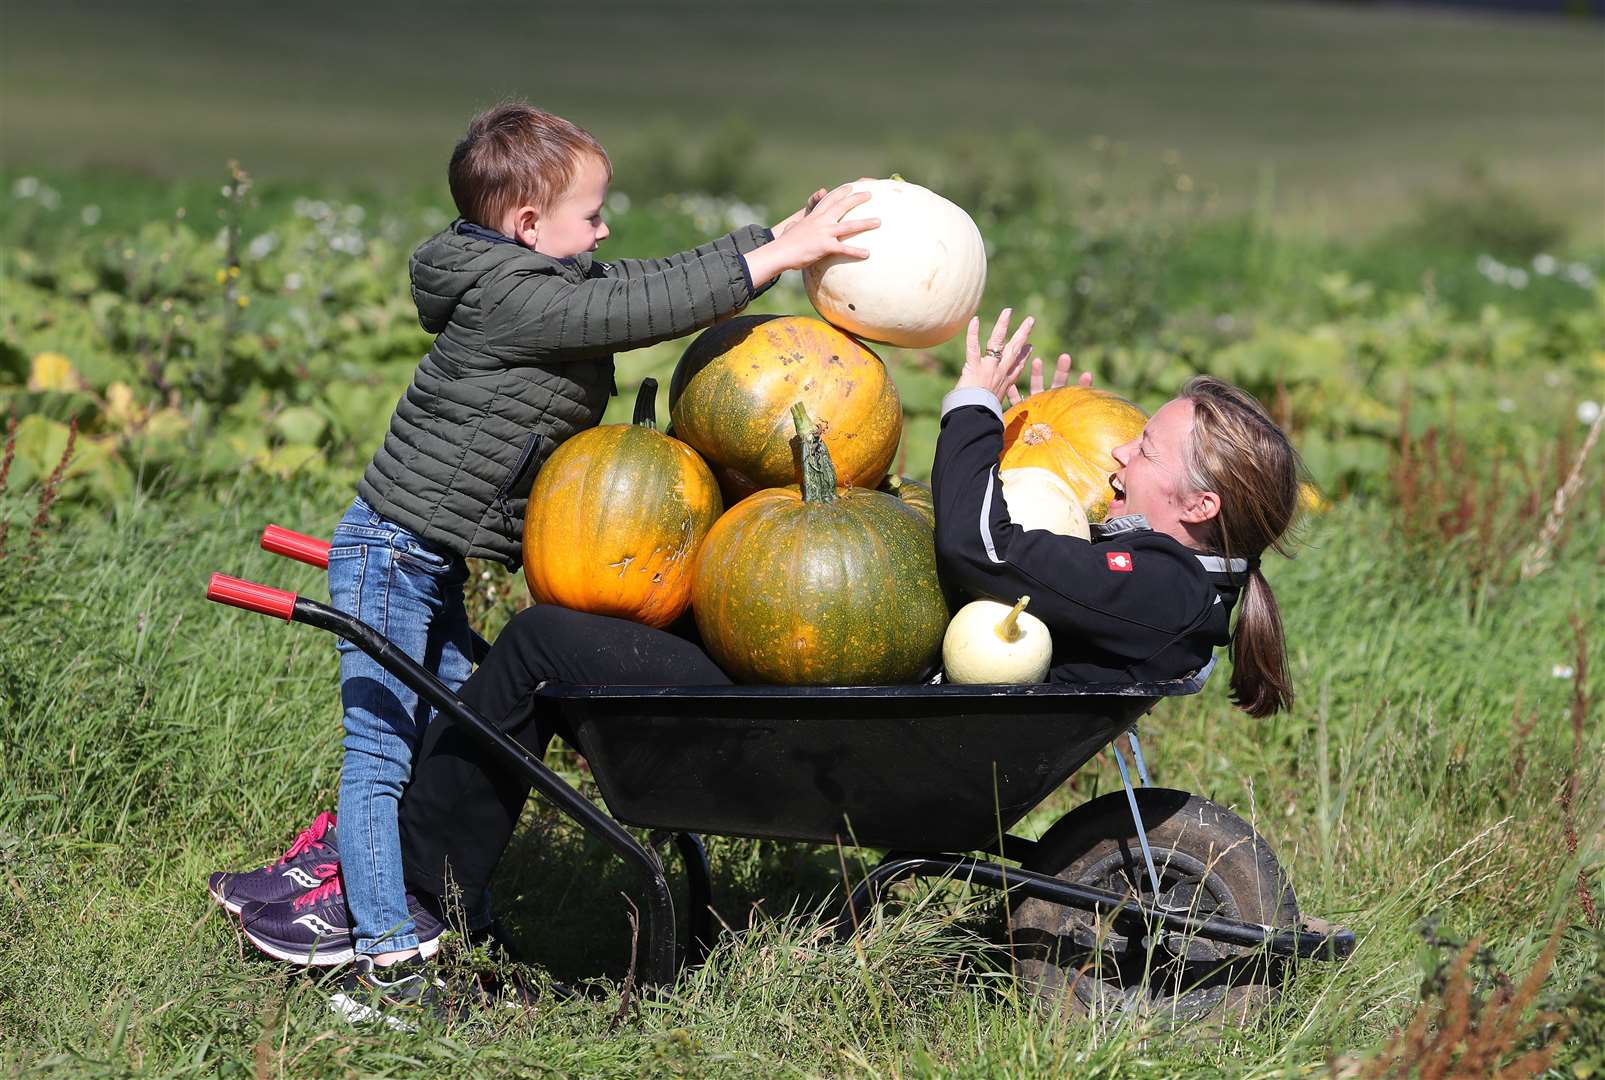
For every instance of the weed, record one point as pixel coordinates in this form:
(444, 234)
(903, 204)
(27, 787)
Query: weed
(1471, 1024)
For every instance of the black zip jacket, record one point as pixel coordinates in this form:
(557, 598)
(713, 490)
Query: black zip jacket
(1131, 605)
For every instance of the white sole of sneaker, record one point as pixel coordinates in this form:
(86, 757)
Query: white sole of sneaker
(330, 956)
(356, 1012)
(217, 898)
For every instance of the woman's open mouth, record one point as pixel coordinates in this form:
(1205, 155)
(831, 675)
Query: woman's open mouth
(1118, 503)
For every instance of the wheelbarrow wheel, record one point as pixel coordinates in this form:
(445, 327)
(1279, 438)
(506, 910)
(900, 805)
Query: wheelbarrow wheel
(1209, 862)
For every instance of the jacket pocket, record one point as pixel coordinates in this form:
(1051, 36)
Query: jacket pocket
(518, 482)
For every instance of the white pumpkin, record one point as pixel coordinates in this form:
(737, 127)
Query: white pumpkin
(989, 642)
(1040, 499)
(924, 275)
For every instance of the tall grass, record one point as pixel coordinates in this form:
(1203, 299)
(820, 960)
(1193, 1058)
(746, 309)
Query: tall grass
(151, 738)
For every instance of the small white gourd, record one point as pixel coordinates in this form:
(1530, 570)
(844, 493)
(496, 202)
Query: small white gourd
(924, 275)
(989, 642)
(1040, 499)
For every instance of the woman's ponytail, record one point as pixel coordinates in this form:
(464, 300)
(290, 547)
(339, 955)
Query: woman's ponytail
(1260, 682)
(1238, 452)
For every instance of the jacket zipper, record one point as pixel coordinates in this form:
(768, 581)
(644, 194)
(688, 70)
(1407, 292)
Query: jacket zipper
(531, 445)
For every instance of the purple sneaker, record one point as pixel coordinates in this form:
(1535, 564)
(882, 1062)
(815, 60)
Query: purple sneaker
(309, 860)
(315, 928)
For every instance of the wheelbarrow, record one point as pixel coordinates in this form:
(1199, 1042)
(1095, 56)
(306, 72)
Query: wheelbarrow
(1145, 899)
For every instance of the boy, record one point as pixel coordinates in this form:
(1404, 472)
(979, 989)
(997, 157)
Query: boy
(526, 321)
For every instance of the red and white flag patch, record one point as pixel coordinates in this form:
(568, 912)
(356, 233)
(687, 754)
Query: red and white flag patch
(1119, 561)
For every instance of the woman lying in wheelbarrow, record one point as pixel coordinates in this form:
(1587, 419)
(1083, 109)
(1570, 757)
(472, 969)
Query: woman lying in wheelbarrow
(1209, 485)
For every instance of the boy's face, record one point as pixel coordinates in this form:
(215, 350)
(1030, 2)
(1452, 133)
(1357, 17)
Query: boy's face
(573, 223)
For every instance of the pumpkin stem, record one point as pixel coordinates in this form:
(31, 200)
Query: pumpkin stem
(898, 176)
(1009, 628)
(818, 472)
(646, 404)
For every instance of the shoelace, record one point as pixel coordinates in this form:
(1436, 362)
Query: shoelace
(331, 887)
(309, 837)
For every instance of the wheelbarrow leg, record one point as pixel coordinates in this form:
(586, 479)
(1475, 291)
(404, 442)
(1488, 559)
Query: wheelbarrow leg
(889, 871)
(699, 919)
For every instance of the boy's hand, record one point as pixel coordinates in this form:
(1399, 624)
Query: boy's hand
(813, 201)
(817, 234)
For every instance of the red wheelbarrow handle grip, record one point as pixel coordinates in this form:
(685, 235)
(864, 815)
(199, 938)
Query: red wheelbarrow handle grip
(307, 549)
(249, 595)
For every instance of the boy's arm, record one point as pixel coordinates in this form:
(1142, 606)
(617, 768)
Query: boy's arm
(741, 241)
(537, 317)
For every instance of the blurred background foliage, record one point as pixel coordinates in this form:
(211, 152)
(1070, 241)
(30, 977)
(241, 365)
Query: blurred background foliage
(1339, 208)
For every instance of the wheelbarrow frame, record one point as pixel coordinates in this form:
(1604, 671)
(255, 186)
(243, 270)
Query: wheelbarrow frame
(660, 960)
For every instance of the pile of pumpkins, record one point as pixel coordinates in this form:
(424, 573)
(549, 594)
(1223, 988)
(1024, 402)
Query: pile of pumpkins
(767, 508)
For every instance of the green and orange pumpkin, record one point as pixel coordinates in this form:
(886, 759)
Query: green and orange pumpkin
(616, 518)
(913, 494)
(1071, 431)
(818, 584)
(732, 391)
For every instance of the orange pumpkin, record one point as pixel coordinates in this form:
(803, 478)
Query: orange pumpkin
(732, 392)
(1071, 432)
(616, 518)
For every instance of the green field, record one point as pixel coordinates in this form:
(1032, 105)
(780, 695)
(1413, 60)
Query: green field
(1333, 115)
(1435, 344)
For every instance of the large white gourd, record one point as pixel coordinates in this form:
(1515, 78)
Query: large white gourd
(989, 642)
(924, 275)
(1040, 499)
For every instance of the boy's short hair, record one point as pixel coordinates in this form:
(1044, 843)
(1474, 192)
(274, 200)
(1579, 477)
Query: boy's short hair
(515, 154)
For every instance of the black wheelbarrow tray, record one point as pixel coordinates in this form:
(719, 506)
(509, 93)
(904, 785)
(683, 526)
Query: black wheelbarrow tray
(1126, 887)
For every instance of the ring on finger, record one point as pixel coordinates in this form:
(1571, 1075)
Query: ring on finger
(995, 353)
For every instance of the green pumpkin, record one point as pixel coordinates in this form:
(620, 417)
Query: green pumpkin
(911, 493)
(818, 585)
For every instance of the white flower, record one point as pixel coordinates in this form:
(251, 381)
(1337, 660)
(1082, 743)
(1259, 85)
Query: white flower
(26, 187)
(90, 215)
(1562, 671)
(1507, 404)
(618, 202)
(1544, 265)
(292, 281)
(49, 198)
(1487, 264)
(262, 246)
(1580, 274)
(1518, 278)
(1587, 412)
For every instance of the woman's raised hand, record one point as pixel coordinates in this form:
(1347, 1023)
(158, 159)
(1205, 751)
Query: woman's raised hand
(1061, 377)
(998, 366)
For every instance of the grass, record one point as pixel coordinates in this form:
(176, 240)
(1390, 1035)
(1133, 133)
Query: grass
(1335, 116)
(152, 737)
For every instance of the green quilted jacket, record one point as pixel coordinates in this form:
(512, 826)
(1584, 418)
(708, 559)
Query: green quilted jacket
(523, 358)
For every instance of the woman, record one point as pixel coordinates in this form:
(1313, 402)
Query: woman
(1210, 485)
(1207, 487)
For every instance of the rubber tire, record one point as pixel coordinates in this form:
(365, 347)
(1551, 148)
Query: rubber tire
(1191, 838)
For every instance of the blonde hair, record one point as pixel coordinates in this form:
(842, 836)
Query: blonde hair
(514, 154)
(1237, 451)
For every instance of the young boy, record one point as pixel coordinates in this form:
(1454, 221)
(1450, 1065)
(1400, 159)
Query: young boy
(526, 321)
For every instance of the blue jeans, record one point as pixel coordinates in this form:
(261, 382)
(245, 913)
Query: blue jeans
(413, 595)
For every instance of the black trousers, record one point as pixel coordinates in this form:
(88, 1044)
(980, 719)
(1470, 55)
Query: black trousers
(459, 812)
